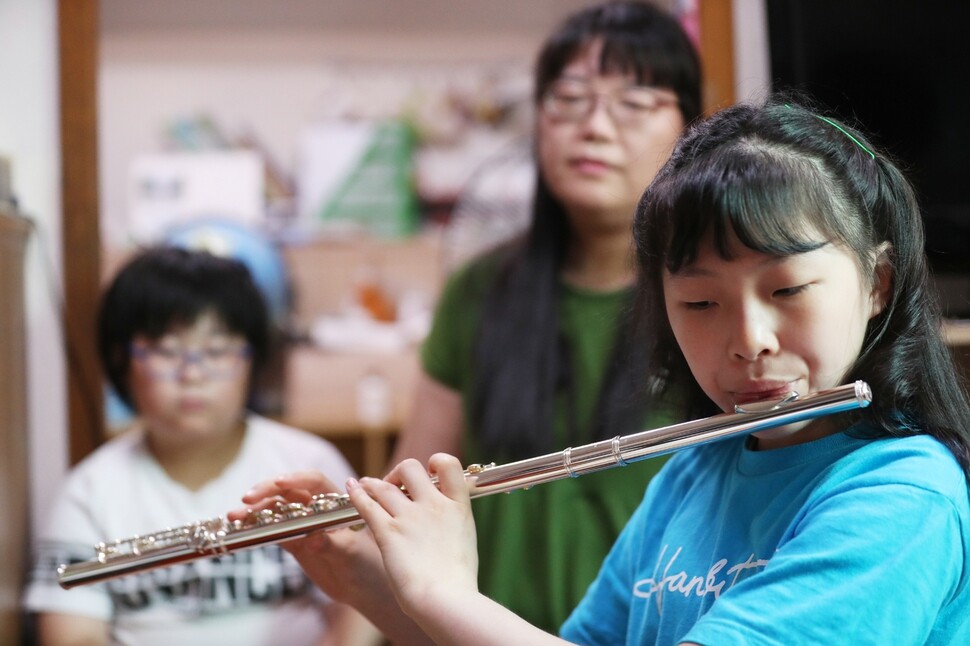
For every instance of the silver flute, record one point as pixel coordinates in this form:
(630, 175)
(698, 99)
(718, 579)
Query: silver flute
(330, 511)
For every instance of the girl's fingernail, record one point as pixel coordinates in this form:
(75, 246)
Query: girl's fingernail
(352, 483)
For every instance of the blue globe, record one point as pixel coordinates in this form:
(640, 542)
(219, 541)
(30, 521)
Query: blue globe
(234, 240)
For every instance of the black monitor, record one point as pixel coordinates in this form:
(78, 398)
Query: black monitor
(901, 69)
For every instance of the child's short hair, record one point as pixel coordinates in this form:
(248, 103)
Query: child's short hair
(164, 287)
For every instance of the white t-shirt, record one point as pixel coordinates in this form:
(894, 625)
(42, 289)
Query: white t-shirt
(258, 596)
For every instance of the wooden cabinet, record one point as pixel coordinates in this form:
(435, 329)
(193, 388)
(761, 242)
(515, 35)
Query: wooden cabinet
(13, 423)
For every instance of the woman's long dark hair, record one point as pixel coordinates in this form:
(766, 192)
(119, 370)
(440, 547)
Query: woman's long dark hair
(521, 359)
(771, 175)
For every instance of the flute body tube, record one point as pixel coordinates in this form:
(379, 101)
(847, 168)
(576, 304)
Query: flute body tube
(217, 536)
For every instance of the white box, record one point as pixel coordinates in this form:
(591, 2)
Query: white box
(166, 189)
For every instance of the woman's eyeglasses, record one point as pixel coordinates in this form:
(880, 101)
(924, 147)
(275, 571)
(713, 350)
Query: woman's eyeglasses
(573, 100)
(218, 362)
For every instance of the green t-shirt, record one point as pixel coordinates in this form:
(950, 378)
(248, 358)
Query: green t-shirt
(540, 549)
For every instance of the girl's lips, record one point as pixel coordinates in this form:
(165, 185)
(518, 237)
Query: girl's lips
(192, 404)
(764, 394)
(590, 166)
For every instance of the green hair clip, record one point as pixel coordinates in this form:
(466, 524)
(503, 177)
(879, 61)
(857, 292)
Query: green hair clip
(846, 133)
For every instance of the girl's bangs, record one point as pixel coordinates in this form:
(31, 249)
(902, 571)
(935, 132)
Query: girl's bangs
(169, 308)
(757, 199)
(624, 55)
(165, 305)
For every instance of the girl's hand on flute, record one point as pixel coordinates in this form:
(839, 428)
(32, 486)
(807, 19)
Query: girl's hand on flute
(427, 536)
(427, 541)
(343, 563)
(298, 486)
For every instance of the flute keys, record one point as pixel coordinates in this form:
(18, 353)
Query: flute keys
(105, 551)
(290, 510)
(265, 517)
(326, 502)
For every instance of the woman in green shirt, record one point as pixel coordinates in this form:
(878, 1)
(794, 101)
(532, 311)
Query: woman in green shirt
(530, 351)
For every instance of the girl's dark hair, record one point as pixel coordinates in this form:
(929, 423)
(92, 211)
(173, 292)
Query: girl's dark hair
(774, 175)
(165, 287)
(521, 360)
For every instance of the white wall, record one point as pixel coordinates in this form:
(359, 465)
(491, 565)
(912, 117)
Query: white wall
(29, 138)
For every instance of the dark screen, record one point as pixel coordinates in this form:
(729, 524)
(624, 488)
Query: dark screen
(901, 70)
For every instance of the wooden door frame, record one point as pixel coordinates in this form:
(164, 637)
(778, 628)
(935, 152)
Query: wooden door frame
(78, 29)
(717, 53)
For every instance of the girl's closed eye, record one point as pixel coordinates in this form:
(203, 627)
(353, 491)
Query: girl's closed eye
(786, 292)
(165, 347)
(699, 305)
(168, 352)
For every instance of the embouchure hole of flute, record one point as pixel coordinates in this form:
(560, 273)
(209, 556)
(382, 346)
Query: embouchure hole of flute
(330, 511)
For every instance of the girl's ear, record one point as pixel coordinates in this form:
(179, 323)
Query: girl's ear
(882, 280)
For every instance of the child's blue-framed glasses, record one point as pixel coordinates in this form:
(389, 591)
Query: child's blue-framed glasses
(218, 362)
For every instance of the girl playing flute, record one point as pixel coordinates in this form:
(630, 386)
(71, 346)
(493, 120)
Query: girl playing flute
(778, 251)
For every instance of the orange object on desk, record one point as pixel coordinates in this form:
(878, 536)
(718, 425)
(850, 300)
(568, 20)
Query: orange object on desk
(377, 303)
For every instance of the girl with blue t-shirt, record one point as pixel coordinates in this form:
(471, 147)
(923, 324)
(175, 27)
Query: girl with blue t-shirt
(778, 251)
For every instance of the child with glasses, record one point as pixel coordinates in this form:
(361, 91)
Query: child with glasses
(778, 251)
(182, 338)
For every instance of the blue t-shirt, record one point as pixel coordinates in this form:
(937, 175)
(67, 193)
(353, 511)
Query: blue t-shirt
(840, 540)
